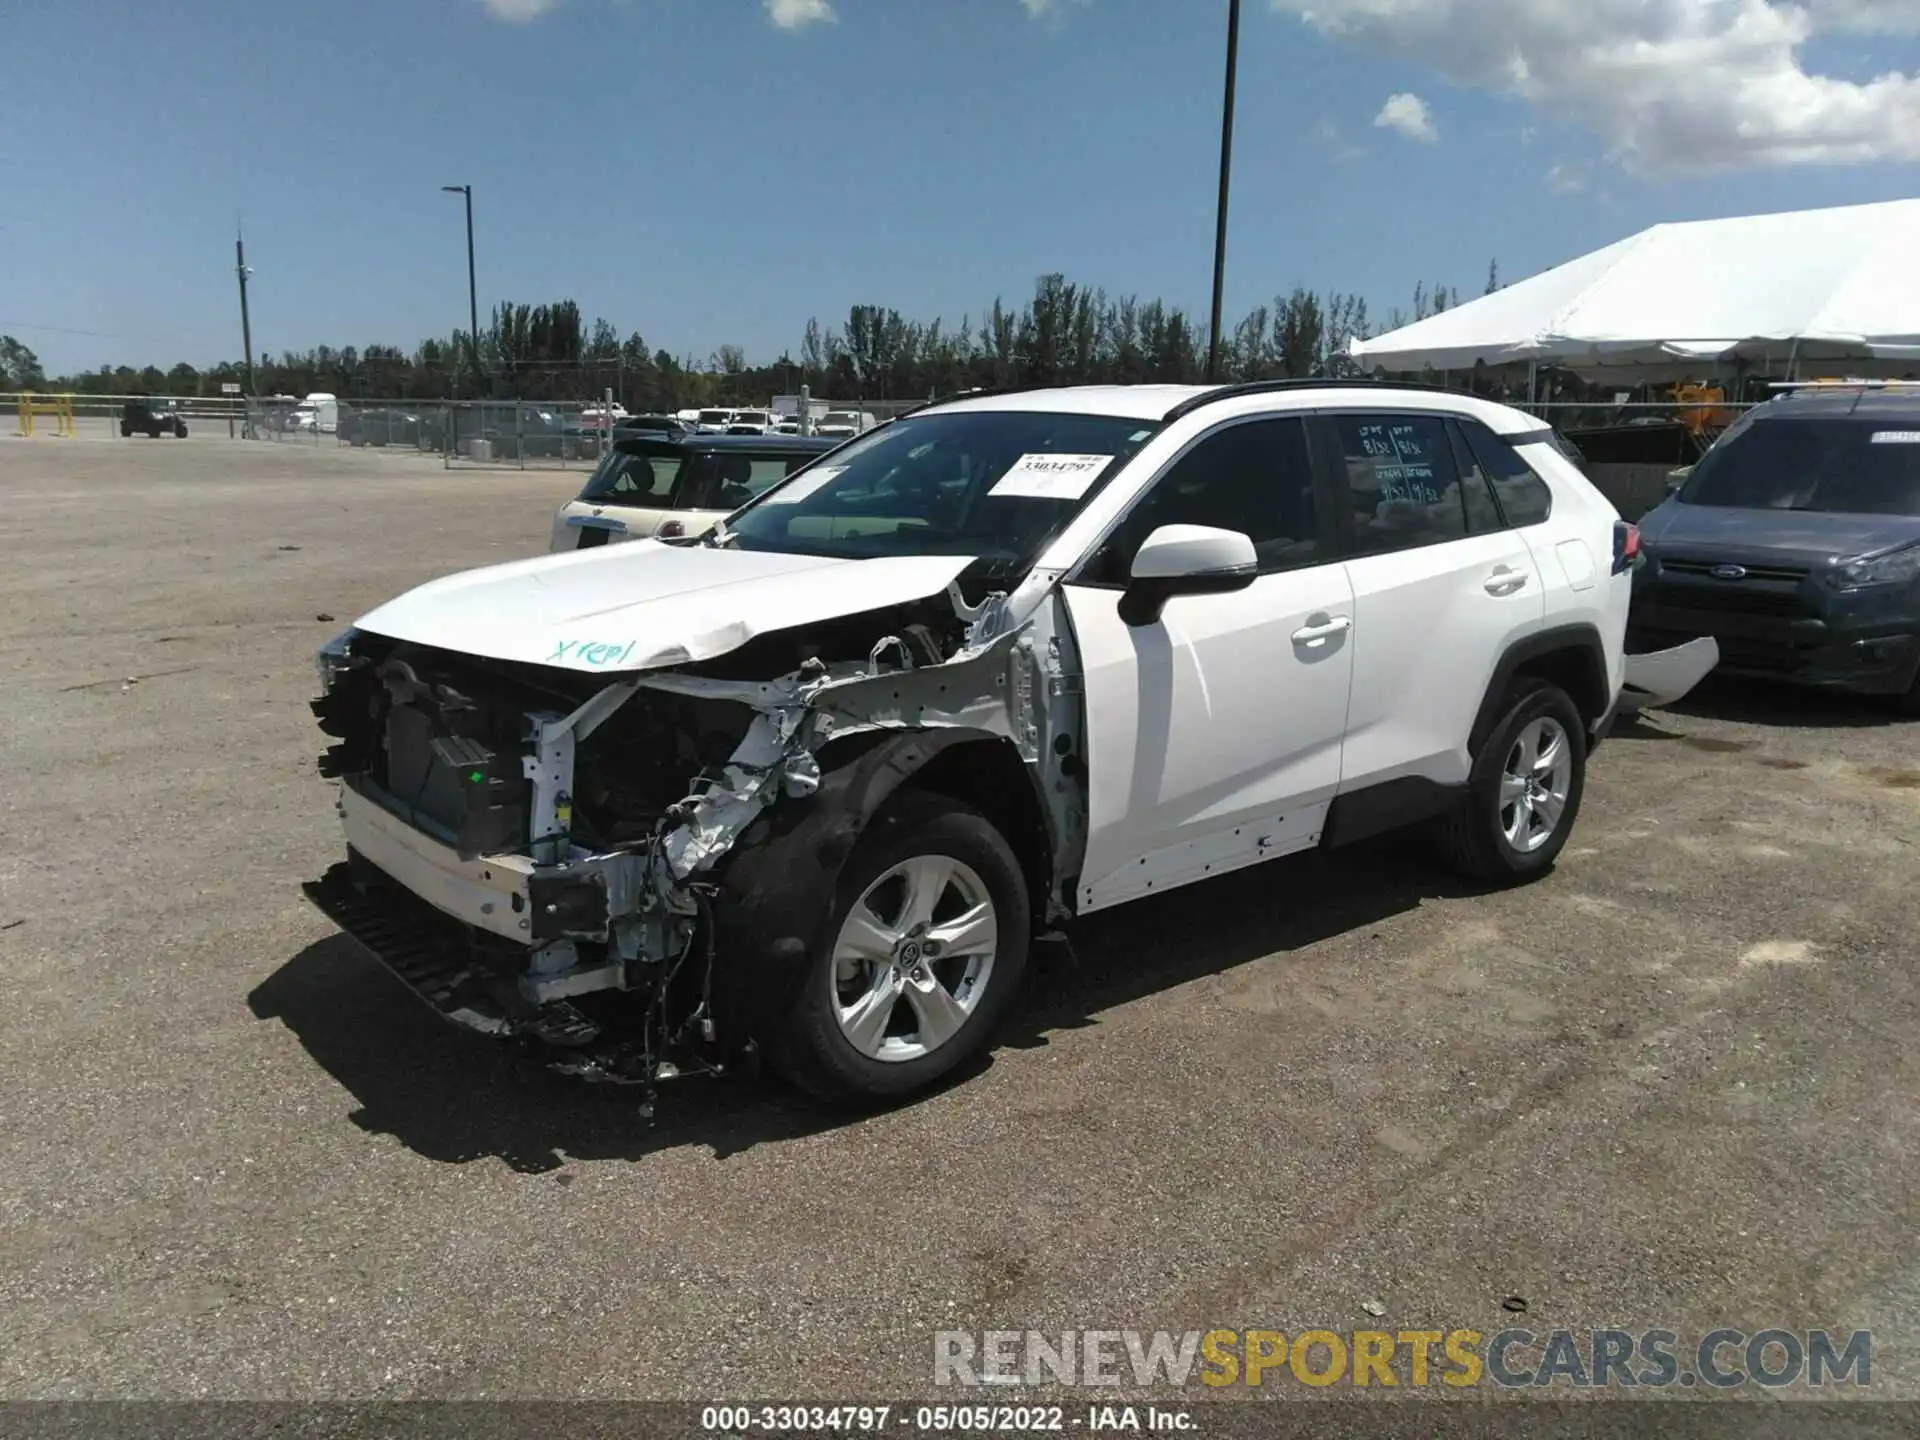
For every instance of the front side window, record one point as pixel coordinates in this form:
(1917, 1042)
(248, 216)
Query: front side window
(637, 475)
(1855, 466)
(1402, 483)
(1255, 477)
(993, 484)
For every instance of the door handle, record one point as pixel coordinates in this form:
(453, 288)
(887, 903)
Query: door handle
(1504, 581)
(1314, 634)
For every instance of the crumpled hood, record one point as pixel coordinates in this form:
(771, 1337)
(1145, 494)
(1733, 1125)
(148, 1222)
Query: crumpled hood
(1810, 537)
(644, 605)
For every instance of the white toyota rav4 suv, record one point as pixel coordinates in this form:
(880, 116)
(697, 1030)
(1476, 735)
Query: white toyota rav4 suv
(807, 787)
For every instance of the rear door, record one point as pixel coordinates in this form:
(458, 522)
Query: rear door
(1441, 588)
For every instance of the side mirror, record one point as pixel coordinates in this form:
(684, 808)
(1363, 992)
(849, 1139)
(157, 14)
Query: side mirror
(1186, 560)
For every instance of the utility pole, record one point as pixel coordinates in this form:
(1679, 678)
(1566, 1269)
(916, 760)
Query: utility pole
(246, 325)
(473, 291)
(1226, 171)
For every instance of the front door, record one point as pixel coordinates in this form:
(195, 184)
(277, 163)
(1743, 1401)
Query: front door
(1214, 733)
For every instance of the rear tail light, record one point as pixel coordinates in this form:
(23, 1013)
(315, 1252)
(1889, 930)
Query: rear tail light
(1626, 546)
(670, 528)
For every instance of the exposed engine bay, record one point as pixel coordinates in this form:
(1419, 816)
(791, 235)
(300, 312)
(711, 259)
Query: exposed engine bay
(621, 868)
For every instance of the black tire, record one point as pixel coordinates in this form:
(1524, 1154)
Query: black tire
(812, 1051)
(1909, 703)
(179, 432)
(126, 431)
(1472, 839)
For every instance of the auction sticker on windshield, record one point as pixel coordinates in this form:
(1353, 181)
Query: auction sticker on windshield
(1896, 437)
(801, 488)
(1051, 477)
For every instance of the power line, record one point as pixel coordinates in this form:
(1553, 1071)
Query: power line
(91, 334)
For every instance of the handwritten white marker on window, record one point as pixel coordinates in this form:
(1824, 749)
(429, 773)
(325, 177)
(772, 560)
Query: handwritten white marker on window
(1051, 477)
(801, 486)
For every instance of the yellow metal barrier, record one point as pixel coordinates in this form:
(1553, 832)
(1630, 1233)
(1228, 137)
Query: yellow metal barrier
(60, 407)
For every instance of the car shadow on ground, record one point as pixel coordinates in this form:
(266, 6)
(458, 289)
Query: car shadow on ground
(1758, 702)
(456, 1098)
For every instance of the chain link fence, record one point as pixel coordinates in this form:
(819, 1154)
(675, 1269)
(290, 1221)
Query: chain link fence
(463, 433)
(116, 417)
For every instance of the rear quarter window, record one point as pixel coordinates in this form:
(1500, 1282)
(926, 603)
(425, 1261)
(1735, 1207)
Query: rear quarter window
(1524, 497)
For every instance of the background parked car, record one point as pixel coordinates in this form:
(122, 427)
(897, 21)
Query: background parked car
(844, 424)
(666, 486)
(1795, 543)
(389, 427)
(152, 418)
(651, 425)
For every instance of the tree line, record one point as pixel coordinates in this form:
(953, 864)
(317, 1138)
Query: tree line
(1066, 334)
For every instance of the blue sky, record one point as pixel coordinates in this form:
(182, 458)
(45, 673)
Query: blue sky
(701, 172)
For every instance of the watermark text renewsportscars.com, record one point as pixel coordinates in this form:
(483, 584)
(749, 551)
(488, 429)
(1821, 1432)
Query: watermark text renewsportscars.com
(1720, 1359)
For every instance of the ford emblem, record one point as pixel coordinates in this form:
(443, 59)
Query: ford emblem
(1729, 572)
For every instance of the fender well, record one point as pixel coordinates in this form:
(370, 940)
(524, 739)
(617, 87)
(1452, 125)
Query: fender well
(1571, 656)
(776, 893)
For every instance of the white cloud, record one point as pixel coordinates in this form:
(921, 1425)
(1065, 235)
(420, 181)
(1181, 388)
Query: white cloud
(1410, 116)
(797, 14)
(1040, 9)
(1565, 177)
(1668, 86)
(518, 11)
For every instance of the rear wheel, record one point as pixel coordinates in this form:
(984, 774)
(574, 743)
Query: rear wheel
(1525, 790)
(923, 956)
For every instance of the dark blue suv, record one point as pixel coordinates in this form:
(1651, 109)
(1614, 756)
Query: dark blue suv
(1795, 543)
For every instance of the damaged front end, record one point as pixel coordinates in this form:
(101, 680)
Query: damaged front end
(626, 871)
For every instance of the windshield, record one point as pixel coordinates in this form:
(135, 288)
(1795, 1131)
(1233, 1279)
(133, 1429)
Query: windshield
(637, 474)
(1854, 466)
(992, 484)
(714, 417)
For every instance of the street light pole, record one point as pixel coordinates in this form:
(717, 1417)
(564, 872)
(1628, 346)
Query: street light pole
(246, 323)
(473, 292)
(1226, 171)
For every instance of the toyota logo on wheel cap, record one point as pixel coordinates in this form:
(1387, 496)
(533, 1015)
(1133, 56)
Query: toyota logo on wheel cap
(1729, 572)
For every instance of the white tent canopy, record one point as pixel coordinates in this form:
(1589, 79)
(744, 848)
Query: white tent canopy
(1813, 284)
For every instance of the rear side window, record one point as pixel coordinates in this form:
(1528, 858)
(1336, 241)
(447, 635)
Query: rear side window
(1524, 497)
(1402, 482)
(729, 481)
(628, 478)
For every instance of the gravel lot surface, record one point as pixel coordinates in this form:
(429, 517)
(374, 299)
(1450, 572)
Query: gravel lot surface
(1672, 1085)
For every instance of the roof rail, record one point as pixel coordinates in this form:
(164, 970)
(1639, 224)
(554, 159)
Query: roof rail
(979, 392)
(1843, 385)
(1263, 387)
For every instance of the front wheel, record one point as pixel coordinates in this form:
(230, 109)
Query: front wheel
(1525, 789)
(924, 954)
